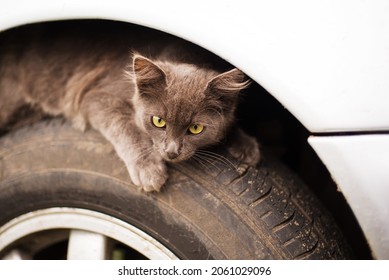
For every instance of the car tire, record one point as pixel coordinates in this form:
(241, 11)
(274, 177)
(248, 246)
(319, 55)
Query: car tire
(216, 209)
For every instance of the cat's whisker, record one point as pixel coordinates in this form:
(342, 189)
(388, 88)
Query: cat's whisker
(203, 153)
(213, 158)
(199, 161)
(204, 160)
(210, 161)
(216, 156)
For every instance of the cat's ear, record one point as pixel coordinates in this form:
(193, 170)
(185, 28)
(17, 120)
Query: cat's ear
(228, 83)
(149, 77)
(224, 89)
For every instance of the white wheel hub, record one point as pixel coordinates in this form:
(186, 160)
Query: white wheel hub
(89, 231)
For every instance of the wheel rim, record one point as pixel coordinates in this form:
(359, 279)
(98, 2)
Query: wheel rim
(89, 232)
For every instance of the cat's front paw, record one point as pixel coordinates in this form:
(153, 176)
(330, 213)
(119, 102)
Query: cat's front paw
(246, 150)
(150, 175)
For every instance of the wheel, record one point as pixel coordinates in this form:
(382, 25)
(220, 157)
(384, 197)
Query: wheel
(65, 194)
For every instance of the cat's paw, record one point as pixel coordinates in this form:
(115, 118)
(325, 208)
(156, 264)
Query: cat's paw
(246, 151)
(150, 175)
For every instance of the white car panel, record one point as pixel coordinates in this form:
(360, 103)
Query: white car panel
(360, 167)
(326, 61)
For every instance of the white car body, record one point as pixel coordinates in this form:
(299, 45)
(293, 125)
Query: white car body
(327, 62)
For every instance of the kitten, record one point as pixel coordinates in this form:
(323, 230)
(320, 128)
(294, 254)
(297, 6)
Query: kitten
(153, 111)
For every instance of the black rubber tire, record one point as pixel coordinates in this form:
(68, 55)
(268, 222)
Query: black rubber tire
(204, 212)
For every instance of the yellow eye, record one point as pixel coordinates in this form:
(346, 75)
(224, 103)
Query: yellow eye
(158, 122)
(196, 128)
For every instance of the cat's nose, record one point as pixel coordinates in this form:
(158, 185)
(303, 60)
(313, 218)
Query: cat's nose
(172, 150)
(172, 155)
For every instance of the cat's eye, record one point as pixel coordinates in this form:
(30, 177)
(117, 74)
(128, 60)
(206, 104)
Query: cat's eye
(158, 122)
(196, 128)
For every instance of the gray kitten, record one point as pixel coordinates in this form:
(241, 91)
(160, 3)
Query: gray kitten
(153, 111)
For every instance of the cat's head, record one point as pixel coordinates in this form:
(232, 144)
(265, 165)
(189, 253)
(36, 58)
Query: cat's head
(183, 108)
